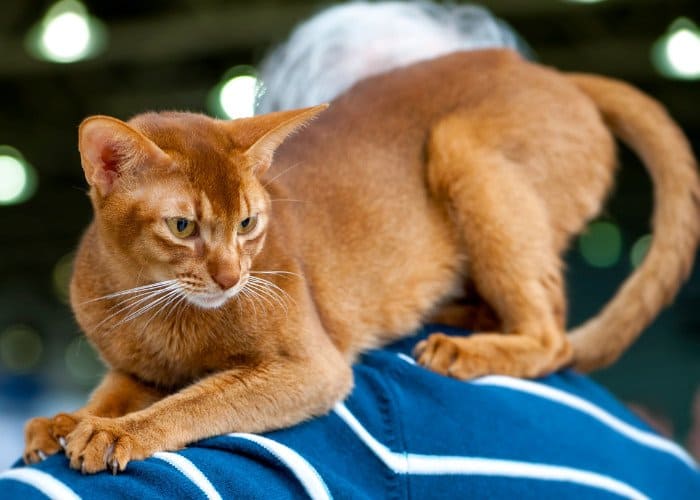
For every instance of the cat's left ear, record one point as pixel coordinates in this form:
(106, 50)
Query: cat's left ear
(263, 134)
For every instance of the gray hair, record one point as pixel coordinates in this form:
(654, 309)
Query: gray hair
(343, 44)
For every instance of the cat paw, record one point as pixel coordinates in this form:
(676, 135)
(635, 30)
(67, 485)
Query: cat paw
(46, 436)
(482, 354)
(99, 444)
(445, 355)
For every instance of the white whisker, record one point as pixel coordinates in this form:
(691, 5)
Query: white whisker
(264, 291)
(280, 273)
(149, 306)
(265, 297)
(269, 289)
(246, 294)
(178, 314)
(130, 291)
(281, 173)
(171, 297)
(134, 299)
(287, 199)
(124, 305)
(180, 300)
(271, 285)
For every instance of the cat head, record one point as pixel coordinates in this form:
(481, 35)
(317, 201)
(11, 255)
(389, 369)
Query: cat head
(178, 197)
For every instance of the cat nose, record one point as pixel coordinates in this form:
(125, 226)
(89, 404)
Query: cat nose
(225, 279)
(225, 270)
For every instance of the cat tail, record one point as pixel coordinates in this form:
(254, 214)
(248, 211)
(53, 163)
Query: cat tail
(643, 124)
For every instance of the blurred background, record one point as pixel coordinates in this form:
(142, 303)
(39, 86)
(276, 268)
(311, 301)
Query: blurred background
(61, 61)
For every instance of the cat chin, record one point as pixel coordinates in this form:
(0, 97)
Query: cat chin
(208, 301)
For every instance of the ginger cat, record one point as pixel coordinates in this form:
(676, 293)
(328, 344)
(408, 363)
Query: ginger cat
(225, 297)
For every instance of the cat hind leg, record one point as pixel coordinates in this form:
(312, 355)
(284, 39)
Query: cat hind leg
(511, 259)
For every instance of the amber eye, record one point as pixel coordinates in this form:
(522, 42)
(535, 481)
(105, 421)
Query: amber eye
(247, 224)
(181, 227)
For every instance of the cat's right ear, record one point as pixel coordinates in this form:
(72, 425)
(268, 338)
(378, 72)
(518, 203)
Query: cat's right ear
(109, 148)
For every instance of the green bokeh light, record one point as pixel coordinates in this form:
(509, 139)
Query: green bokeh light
(20, 348)
(601, 244)
(639, 250)
(82, 362)
(62, 271)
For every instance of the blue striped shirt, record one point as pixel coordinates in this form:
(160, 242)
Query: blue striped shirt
(406, 432)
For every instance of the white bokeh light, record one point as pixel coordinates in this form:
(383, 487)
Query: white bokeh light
(676, 54)
(66, 33)
(237, 96)
(683, 52)
(66, 37)
(13, 179)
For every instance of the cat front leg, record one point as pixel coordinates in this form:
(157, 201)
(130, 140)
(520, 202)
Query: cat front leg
(117, 395)
(279, 392)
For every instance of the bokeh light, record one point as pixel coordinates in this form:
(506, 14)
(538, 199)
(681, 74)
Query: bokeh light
(17, 177)
(235, 96)
(601, 244)
(66, 37)
(20, 348)
(13, 176)
(639, 250)
(82, 362)
(62, 271)
(67, 33)
(677, 53)
(683, 52)
(585, 1)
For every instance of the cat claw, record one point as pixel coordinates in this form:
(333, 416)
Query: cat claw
(115, 466)
(41, 454)
(62, 442)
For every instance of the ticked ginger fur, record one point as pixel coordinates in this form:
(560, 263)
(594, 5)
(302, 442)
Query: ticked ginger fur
(471, 171)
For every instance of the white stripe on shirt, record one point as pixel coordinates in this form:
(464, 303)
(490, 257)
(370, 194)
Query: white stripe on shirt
(410, 463)
(190, 471)
(309, 478)
(543, 391)
(46, 483)
(558, 396)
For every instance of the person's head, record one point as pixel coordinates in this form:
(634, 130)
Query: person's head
(341, 45)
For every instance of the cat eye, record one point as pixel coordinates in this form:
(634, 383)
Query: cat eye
(181, 227)
(247, 224)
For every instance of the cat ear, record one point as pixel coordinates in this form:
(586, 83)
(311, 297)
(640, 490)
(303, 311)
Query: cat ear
(263, 134)
(109, 147)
